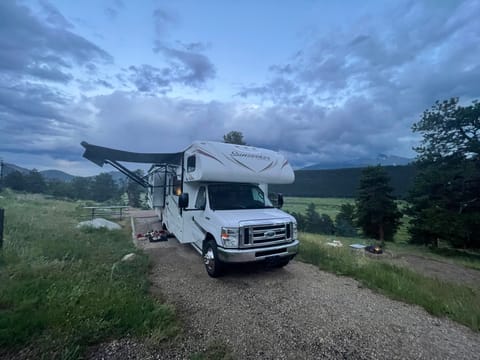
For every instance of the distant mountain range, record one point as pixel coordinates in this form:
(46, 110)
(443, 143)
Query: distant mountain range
(56, 174)
(381, 159)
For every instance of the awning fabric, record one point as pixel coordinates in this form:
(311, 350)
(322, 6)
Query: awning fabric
(99, 155)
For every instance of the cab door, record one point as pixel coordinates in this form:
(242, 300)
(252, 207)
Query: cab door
(194, 218)
(172, 216)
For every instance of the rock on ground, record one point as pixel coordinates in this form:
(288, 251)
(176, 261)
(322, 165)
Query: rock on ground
(99, 223)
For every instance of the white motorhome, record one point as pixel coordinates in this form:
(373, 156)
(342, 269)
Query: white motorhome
(215, 197)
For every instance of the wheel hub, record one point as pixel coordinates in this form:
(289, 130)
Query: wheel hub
(209, 259)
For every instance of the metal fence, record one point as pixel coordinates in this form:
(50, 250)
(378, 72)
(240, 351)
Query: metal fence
(110, 212)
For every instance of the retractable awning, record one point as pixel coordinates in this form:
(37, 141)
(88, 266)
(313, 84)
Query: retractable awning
(99, 155)
(102, 155)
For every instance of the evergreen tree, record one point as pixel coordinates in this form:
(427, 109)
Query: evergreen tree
(103, 188)
(345, 221)
(326, 225)
(60, 189)
(445, 200)
(301, 222)
(312, 219)
(377, 213)
(134, 191)
(15, 181)
(234, 137)
(34, 182)
(81, 187)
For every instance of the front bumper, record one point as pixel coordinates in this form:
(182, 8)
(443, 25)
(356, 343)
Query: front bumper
(257, 254)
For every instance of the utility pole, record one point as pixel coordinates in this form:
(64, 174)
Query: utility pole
(2, 218)
(1, 174)
(2, 211)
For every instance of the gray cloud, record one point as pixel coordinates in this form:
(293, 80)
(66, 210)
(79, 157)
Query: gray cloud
(352, 93)
(186, 63)
(53, 16)
(45, 51)
(40, 53)
(188, 67)
(113, 10)
(163, 21)
(369, 83)
(306, 132)
(147, 78)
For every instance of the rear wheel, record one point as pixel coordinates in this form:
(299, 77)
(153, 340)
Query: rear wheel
(213, 265)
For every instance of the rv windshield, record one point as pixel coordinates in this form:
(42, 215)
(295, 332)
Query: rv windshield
(237, 196)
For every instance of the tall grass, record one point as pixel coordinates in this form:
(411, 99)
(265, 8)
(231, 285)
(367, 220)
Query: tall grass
(62, 288)
(457, 302)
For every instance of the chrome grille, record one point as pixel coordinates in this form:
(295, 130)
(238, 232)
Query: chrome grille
(266, 234)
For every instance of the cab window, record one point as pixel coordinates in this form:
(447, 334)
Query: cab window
(201, 199)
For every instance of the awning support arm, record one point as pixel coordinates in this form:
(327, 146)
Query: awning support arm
(140, 181)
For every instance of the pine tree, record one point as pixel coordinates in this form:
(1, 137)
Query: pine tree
(234, 137)
(104, 188)
(377, 213)
(345, 221)
(445, 199)
(312, 219)
(34, 182)
(134, 191)
(15, 181)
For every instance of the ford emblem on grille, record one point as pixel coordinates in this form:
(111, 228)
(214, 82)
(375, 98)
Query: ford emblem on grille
(269, 233)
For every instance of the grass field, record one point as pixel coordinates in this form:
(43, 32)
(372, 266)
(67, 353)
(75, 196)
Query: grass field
(329, 206)
(400, 245)
(457, 302)
(62, 289)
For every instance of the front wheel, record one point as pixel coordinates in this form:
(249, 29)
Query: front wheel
(213, 265)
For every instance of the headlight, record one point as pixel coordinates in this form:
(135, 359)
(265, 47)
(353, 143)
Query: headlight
(229, 237)
(295, 231)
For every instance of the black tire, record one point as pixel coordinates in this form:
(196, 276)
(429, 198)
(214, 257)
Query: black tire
(213, 265)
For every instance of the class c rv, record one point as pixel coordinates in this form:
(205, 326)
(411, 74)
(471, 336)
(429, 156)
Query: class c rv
(214, 196)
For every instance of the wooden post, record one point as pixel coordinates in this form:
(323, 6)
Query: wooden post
(2, 218)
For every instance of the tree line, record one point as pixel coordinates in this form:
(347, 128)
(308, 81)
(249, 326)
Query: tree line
(100, 188)
(443, 203)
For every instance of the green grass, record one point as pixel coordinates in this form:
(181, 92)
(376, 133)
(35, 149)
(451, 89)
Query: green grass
(329, 206)
(400, 245)
(457, 302)
(62, 289)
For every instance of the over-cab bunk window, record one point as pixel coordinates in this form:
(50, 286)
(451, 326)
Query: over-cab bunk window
(191, 163)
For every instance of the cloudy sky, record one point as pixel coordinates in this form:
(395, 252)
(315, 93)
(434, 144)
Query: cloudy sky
(316, 80)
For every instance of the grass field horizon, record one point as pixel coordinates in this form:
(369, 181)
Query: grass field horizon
(63, 289)
(400, 244)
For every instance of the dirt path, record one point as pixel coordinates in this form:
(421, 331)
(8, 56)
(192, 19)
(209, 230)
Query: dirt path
(441, 270)
(298, 312)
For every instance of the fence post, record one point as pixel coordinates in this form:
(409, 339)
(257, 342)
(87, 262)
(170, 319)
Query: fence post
(2, 217)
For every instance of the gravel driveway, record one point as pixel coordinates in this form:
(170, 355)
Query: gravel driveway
(297, 312)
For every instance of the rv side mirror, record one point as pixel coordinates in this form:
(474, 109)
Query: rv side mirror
(280, 201)
(183, 201)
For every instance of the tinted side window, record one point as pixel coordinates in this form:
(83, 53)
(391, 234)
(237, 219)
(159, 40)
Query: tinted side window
(258, 195)
(191, 163)
(201, 199)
